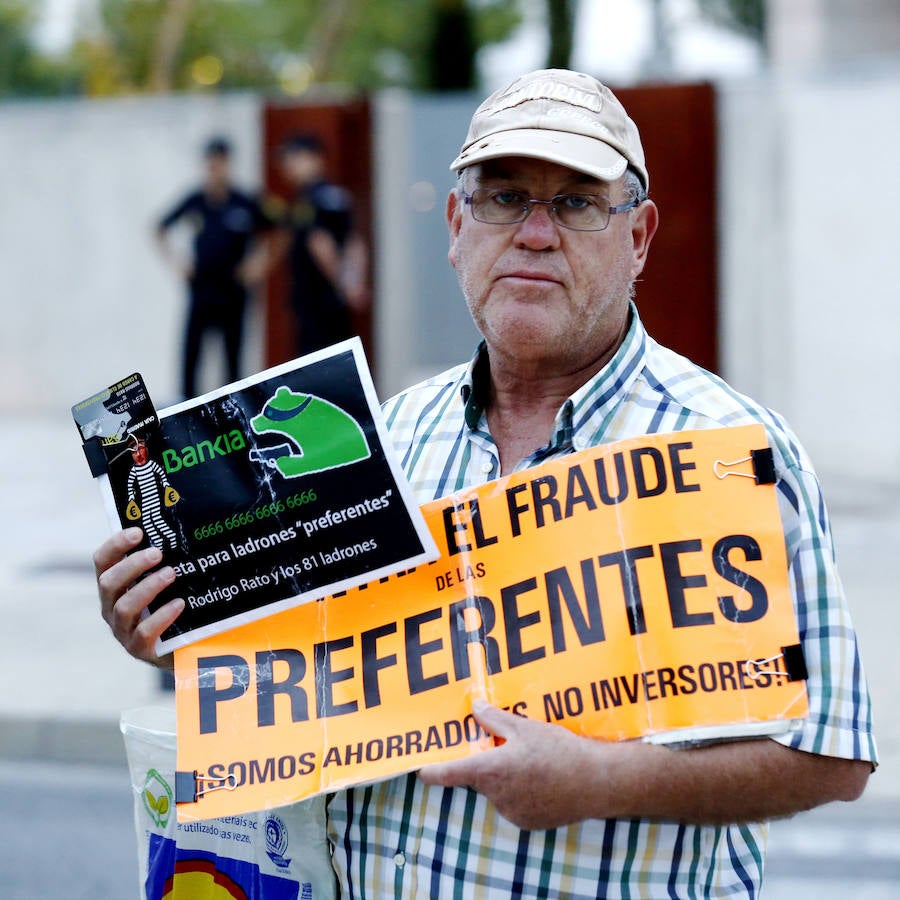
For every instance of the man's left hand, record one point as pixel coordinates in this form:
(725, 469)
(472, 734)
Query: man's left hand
(543, 776)
(532, 777)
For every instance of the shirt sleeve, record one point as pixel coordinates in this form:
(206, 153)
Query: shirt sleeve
(839, 722)
(176, 212)
(334, 212)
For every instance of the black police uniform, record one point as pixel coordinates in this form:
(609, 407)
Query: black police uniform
(223, 232)
(323, 317)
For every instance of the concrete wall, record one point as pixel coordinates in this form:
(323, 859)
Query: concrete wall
(820, 34)
(422, 323)
(810, 267)
(85, 298)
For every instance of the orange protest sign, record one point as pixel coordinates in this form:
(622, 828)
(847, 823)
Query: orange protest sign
(636, 589)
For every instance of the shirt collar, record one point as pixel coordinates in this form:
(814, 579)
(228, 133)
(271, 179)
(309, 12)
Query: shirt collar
(476, 387)
(585, 407)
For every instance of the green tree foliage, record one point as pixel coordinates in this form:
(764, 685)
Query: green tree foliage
(745, 16)
(23, 70)
(161, 45)
(561, 24)
(451, 56)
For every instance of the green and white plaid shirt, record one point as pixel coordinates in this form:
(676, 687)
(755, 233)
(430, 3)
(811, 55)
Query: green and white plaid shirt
(401, 838)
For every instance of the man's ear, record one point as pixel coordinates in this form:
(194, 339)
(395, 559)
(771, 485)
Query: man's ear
(644, 222)
(453, 215)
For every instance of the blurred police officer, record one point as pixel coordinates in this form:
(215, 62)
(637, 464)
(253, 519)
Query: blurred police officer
(326, 256)
(226, 260)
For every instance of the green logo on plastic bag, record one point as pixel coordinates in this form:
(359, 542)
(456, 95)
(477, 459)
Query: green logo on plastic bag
(157, 798)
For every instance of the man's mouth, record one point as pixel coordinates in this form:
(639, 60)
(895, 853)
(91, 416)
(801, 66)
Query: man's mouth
(531, 275)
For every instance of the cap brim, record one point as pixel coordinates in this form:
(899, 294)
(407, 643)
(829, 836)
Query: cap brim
(575, 151)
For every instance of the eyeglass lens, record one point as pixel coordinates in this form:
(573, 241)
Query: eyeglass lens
(581, 212)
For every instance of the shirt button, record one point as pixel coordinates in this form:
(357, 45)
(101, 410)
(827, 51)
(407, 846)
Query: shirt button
(487, 467)
(580, 442)
(399, 860)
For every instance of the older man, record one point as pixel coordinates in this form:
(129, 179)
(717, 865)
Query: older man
(550, 225)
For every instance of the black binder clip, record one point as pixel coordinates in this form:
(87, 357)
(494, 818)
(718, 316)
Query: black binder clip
(191, 786)
(763, 463)
(794, 665)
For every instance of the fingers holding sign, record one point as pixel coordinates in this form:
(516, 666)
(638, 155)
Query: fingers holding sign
(542, 776)
(124, 598)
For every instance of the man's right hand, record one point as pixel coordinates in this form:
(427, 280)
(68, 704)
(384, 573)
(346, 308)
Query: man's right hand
(123, 598)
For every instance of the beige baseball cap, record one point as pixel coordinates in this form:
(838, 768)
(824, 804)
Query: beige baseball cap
(561, 116)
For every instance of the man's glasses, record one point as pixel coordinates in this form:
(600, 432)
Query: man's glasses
(580, 212)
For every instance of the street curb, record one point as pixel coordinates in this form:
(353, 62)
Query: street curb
(78, 741)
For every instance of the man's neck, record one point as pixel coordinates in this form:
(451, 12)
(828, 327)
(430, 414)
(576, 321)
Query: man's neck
(216, 191)
(524, 401)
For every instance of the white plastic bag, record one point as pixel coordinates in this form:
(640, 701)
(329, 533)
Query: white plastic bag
(280, 854)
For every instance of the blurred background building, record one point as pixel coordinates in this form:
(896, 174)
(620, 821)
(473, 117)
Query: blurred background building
(770, 127)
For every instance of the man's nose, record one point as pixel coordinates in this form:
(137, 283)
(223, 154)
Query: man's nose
(538, 231)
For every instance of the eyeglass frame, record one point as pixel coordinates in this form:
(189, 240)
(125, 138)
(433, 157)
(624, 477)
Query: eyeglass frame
(551, 204)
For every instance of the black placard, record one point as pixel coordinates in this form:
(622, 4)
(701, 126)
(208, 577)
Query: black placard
(277, 490)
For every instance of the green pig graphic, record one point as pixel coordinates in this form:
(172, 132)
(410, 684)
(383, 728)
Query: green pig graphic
(323, 436)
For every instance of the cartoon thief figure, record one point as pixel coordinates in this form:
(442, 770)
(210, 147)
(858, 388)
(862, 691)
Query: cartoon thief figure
(324, 435)
(148, 490)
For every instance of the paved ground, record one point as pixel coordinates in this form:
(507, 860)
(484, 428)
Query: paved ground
(839, 852)
(67, 831)
(65, 673)
(67, 680)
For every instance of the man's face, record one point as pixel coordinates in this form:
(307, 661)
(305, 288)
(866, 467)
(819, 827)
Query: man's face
(139, 454)
(543, 295)
(302, 167)
(217, 169)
